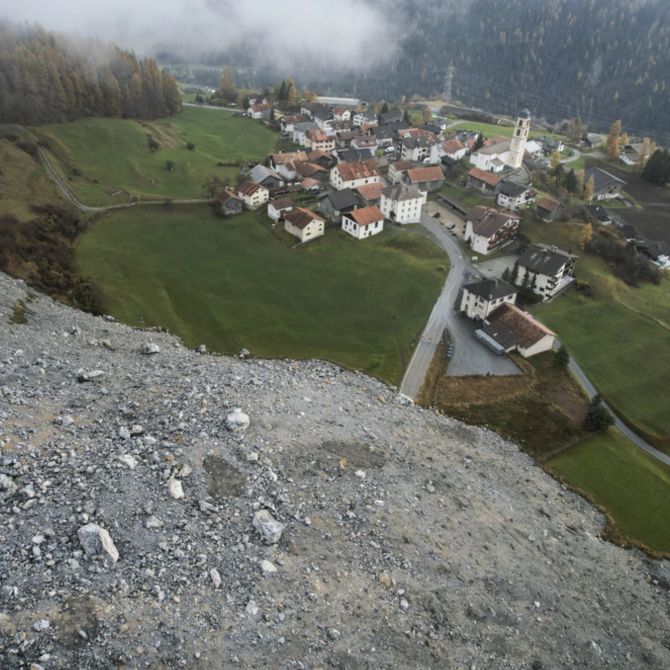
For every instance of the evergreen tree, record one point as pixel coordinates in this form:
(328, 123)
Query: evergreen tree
(479, 143)
(597, 419)
(515, 273)
(657, 169)
(570, 182)
(562, 357)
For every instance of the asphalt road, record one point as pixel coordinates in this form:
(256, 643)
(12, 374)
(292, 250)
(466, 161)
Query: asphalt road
(633, 437)
(470, 357)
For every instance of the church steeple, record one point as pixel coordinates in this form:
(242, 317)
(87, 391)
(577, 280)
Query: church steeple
(519, 139)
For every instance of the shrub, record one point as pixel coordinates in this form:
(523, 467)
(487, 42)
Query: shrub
(598, 418)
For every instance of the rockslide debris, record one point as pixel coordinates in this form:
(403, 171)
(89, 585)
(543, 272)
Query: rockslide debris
(335, 527)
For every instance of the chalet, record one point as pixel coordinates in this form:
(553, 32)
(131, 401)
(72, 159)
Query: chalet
(427, 179)
(402, 203)
(600, 214)
(550, 145)
(253, 195)
(300, 130)
(364, 143)
(480, 299)
(285, 163)
(277, 208)
(545, 270)
(260, 111)
(362, 223)
(483, 181)
(510, 329)
(658, 253)
(341, 113)
(353, 155)
(605, 185)
(386, 135)
(369, 194)
(387, 118)
(548, 209)
(311, 185)
(336, 203)
(287, 123)
(397, 171)
(309, 170)
(455, 149)
(418, 148)
(323, 158)
(487, 229)
(366, 117)
(259, 174)
(228, 203)
(303, 224)
(351, 175)
(514, 196)
(317, 139)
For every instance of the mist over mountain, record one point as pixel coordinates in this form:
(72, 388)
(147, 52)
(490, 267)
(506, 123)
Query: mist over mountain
(599, 59)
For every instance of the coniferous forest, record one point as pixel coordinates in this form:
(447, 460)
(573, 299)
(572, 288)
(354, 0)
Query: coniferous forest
(46, 78)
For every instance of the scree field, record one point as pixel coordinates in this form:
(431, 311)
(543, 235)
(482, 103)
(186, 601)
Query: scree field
(109, 160)
(233, 283)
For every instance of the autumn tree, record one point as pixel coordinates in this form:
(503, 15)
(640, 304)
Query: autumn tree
(613, 141)
(589, 188)
(585, 235)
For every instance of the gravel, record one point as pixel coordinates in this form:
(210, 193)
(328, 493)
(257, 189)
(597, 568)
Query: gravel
(337, 527)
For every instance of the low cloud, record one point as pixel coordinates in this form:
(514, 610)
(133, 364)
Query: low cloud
(342, 35)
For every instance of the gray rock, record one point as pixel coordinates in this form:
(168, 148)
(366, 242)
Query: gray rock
(41, 625)
(90, 376)
(268, 527)
(237, 421)
(215, 577)
(96, 541)
(150, 349)
(175, 489)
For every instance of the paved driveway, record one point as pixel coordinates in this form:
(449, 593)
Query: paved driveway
(470, 356)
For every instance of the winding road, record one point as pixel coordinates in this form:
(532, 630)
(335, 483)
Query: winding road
(69, 195)
(470, 357)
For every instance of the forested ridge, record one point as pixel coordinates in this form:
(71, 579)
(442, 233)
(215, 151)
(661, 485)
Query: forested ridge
(47, 78)
(597, 59)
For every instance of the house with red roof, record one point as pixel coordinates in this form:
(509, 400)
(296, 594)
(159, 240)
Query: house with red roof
(363, 222)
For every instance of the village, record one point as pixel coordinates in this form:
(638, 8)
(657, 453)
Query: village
(352, 168)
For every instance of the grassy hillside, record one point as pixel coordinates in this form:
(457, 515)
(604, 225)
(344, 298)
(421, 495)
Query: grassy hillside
(23, 182)
(107, 160)
(237, 283)
(633, 488)
(620, 336)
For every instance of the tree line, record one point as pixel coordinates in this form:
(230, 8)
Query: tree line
(46, 78)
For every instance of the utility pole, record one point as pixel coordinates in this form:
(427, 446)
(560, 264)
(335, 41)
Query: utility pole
(449, 82)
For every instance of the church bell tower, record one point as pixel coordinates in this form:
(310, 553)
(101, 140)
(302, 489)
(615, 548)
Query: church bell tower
(519, 139)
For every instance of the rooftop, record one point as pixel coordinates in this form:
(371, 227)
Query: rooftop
(300, 217)
(484, 176)
(509, 319)
(425, 174)
(487, 221)
(366, 215)
(544, 260)
(399, 192)
(490, 289)
(357, 170)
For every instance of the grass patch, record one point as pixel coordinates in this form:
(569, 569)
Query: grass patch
(237, 283)
(23, 182)
(107, 160)
(465, 197)
(621, 336)
(632, 488)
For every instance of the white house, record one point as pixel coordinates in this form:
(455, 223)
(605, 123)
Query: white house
(402, 203)
(364, 222)
(545, 270)
(288, 122)
(514, 196)
(397, 171)
(455, 149)
(364, 143)
(300, 130)
(510, 329)
(605, 185)
(353, 175)
(317, 140)
(480, 299)
(286, 163)
(253, 195)
(277, 208)
(261, 111)
(487, 229)
(303, 224)
(367, 117)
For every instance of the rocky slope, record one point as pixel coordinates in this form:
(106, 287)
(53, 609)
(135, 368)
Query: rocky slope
(339, 528)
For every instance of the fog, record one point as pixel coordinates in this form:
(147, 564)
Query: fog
(345, 34)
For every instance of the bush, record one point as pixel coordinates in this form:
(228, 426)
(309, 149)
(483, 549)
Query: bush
(598, 418)
(190, 146)
(624, 260)
(562, 357)
(153, 144)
